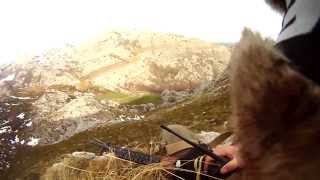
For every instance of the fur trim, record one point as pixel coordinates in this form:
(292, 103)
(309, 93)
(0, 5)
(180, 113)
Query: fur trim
(275, 114)
(278, 5)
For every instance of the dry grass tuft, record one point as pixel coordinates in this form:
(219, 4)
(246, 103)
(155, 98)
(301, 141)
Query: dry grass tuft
(87, 166)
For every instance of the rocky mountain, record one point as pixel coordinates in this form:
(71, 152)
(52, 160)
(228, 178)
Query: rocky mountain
(124, 61)
(144, 79)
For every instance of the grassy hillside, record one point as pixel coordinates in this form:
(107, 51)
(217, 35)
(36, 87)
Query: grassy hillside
(205, 112)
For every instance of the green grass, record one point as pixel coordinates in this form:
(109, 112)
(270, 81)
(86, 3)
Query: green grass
(104, 94)
(146, 98)
(130, 99)
(115, 96)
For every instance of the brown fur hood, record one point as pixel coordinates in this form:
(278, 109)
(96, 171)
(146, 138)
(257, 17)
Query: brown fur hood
(275, 114)
(278, 5)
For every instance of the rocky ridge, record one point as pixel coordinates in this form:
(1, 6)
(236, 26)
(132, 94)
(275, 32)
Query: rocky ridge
(122, 77)
(124, 61)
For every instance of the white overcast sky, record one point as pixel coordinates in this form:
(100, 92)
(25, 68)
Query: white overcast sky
(29, 26)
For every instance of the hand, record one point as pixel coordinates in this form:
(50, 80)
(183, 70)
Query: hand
(230, 151)
(168, 161)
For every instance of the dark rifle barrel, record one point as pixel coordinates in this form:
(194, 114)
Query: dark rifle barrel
(221, 159)
(127, 154)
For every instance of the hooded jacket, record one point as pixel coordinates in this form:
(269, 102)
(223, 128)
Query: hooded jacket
(300, 34)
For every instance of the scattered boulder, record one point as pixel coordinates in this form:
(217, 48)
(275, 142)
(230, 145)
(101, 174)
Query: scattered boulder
(59, 115)
(170, 96)
(142, 108)
(84, 105)
(49, 102)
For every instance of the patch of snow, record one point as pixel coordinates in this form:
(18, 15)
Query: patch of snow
(136, 118)
(124, 118)
(33, 141)
(4, 122)
(8, 78)
(16, 139)
(22, 98)
(5, 129)
(21, 116)
(29, 124)
(22, 141)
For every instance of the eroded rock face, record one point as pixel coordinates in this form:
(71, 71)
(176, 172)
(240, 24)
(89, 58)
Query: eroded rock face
(50, 102)
(77, 107)
(59, 115)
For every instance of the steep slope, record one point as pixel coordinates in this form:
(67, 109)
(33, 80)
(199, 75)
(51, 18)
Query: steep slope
(207, 111)
(124, 61)
(108, 88)
(71, 86)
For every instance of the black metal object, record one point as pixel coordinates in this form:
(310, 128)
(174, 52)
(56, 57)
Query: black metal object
(199, 150)
(218, 159)
(126, 154)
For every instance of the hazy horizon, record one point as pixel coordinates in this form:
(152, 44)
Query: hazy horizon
(36, 25)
